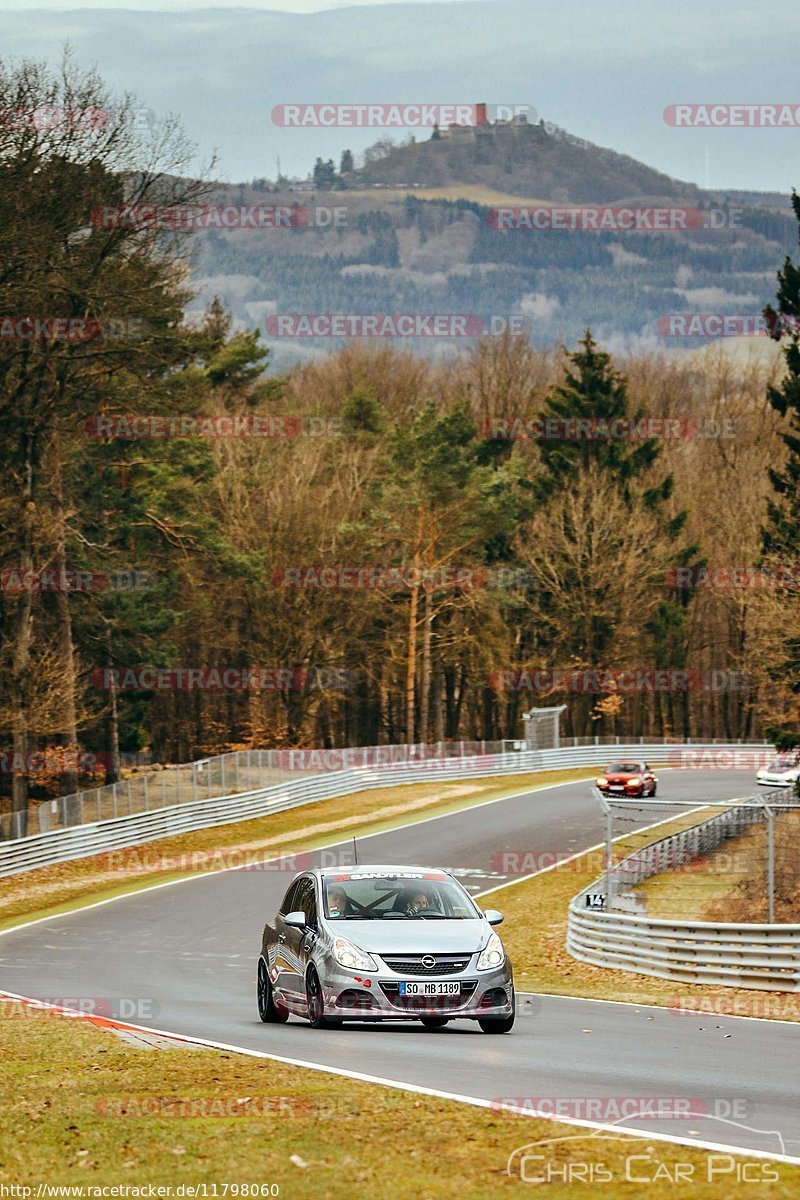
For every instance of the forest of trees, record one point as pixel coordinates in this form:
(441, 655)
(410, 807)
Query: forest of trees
(418, 255)
(475, 560)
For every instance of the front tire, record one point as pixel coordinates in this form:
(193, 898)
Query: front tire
(496, 1024)
(315, 1005)
(268, 1010)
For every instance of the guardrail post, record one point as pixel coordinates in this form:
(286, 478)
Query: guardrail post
(114, 795)
(146, 795)
(238, 787)
(770, 863)
(222, 773)
(194, 781)
(609, 849)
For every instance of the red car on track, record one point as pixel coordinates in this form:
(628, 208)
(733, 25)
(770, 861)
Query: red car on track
(627, 778)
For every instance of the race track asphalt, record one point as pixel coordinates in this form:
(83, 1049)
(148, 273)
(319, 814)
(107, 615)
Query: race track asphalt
(181, 958)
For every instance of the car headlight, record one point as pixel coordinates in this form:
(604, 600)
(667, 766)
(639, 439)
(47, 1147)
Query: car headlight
(493, 955)
(348, 955)
(602, 781)
(634, 781)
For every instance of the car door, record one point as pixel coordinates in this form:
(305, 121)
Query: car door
(284, 976)
(308, 902)
(295, 940)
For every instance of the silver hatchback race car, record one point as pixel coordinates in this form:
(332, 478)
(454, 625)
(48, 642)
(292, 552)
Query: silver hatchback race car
(375, 943)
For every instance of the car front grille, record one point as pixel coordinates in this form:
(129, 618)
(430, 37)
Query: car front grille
(412, 964)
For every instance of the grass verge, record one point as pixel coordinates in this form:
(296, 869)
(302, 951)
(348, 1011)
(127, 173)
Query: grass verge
(83, 1108)
(65, 886)
(535, 933)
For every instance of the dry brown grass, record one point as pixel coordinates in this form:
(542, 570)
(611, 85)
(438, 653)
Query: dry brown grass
(81, 1107)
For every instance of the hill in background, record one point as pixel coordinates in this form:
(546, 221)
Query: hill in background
(415, 238)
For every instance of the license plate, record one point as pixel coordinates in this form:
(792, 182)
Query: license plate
(430, 989)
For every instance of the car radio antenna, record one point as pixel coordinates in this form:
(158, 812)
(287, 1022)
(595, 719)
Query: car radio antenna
(355, 851)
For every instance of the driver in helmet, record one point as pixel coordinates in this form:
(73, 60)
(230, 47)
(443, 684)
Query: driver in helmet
(337, 903)
(418, 901)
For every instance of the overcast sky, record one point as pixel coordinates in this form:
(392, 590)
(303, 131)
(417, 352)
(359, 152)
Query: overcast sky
(604, 71)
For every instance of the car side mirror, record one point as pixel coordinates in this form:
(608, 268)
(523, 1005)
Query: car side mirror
(295, 920)
(493, 916)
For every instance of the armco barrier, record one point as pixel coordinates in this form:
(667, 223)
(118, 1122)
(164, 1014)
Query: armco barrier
(80, 841)
(761, 957)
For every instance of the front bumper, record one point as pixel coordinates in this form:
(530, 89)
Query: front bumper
(376, 996)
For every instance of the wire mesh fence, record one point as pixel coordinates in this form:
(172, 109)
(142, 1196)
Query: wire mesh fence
(247, 770)
(717, 861)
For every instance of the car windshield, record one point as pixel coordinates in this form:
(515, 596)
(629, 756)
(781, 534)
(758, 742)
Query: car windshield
(625, 768)
(785, 763)
(409, 896)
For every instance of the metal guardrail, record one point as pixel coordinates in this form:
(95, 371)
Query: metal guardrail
(765, 957)
(82, 840)
(247, 770)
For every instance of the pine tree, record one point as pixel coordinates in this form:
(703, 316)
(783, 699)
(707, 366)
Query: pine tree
(594, 392)
(781, 534)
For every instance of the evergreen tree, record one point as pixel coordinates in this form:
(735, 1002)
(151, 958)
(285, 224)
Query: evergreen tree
(782, 532)
(781, 535)
(583, 465)
(324, 175)
(595, 393)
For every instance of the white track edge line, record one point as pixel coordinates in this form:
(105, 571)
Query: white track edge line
(421, 1089)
